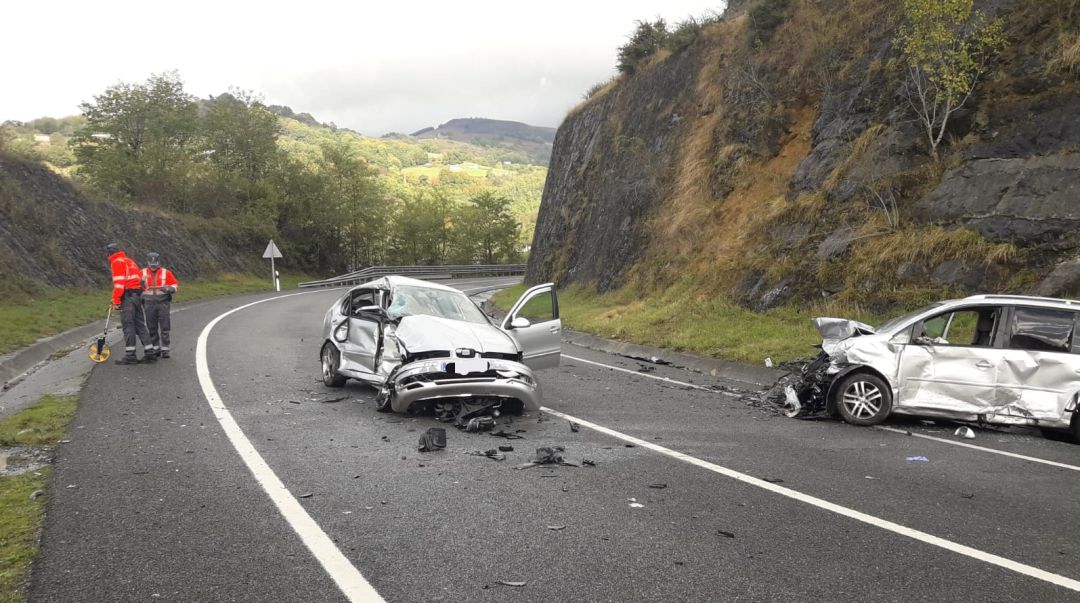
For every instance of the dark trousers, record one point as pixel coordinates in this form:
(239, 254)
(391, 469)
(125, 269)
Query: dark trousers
(157, 319)
(133, 320)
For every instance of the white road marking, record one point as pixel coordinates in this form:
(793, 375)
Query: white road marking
(884, 524)
(640, 374)
(344, 573)
(1014, 455)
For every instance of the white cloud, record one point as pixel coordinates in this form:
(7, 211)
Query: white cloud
(391, 66)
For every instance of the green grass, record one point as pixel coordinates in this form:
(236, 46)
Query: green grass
(681, 319)
(26, 321)
(42, 424)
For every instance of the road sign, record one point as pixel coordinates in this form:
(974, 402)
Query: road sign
(271, 251)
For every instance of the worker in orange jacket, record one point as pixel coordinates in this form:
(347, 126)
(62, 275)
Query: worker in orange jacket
(157, 300)
(127, 297)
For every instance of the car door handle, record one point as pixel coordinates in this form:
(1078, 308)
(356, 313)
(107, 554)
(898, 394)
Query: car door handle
(553, 329)
(985, 364)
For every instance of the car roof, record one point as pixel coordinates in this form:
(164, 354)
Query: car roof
(391, 282)
(1021, 300)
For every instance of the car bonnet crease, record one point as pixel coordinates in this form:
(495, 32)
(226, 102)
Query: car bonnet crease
(423, 333)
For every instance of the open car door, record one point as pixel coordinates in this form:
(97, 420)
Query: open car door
(533, 322)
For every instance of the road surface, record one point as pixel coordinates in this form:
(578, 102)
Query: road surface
(258, 483)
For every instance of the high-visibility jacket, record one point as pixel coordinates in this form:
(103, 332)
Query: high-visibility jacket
(125, 275)
(160, 284)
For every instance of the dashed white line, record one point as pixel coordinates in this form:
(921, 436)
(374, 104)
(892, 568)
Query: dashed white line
(1014, 455)
(640, 374)
(884, 524)
(341, 570)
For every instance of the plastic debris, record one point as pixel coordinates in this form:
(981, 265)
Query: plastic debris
(512, 583)
(491, 453)
(918, 459)
(725, 533)
(556, 528)
(306, 495)
(636, 505)
(478, 424)
(432, 439)
(658, 486)
(549, 455)
(574, 427)
(506, 448)
(36, 494)
(965, 432)
(588, 462)
(508, 435)
(792, 406)
(768, 363)
(647, 369)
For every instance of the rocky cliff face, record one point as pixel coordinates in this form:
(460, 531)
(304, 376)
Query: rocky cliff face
(793, 171)
(53, 236)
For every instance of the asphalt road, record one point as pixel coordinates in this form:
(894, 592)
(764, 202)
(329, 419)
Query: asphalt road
(150, 498)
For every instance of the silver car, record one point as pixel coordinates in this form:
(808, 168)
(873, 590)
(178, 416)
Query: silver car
(421, 342)
(1001, 359)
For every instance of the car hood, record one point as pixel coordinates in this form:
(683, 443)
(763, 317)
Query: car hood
(422, 333)
(835, 330)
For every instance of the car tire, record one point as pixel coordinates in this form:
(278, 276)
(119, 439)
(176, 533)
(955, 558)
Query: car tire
(863, 399)
(329, 360)
(384, 400)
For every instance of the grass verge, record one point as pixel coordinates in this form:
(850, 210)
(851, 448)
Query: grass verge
(20, 516)
(26, 321)
(680, 319)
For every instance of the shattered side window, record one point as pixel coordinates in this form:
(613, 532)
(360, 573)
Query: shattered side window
(968, 327)
(1041, 329)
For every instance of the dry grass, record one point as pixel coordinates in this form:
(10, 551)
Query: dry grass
(1068, 60)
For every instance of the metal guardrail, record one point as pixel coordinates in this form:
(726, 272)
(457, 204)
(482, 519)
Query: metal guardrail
(374, 272)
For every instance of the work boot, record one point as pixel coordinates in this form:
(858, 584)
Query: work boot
(150, 356)
(127, 359)
(164, 353)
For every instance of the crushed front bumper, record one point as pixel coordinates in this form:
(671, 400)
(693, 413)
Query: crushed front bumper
(436, 378)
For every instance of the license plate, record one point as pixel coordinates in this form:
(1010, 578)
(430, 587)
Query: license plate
(464, 366)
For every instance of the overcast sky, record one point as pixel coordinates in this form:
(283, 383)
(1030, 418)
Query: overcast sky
(375, 67)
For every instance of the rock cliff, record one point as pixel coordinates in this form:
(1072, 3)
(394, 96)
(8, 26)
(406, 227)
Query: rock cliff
(793, 171)
(51, 236)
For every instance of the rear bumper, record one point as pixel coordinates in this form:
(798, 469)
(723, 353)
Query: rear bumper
(427, 380)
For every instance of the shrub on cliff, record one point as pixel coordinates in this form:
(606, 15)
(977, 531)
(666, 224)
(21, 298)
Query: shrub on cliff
(648, 38)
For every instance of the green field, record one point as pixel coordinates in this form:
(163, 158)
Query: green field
(680, 320)
(26, 321)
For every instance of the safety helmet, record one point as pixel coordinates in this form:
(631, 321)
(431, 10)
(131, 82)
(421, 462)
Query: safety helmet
(153, 260)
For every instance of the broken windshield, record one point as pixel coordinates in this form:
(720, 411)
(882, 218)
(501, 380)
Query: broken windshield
(899, 320)
(411, 301)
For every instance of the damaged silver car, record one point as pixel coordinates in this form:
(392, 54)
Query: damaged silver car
(421, 343)
(1001, 359)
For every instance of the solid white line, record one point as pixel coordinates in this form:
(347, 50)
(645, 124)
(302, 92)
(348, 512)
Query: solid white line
(640, 374)
(884, 524)
(982, 448)
(343, 572)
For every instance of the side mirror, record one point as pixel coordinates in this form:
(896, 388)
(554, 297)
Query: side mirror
(519, 322)
(923, 340)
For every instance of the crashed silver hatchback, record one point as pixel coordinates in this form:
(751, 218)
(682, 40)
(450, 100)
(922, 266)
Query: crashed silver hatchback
(419, 342)
(1001, 359)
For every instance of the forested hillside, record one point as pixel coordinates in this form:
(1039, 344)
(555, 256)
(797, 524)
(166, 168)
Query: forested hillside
(847, 153)
(531, 143)
(333, 199)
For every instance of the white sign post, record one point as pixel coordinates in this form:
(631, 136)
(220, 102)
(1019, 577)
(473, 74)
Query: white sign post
(271, 253)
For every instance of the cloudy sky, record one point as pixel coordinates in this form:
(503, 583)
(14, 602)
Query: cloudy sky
(371, 66)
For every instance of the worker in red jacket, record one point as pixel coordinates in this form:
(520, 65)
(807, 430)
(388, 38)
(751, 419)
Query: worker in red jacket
(157, 300)
(127, 297)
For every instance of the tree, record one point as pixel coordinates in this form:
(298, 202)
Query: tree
(486, 231)
(139, 140)
(241, 135)
(947, 48)
(644, 42)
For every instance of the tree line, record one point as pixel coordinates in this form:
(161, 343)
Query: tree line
(153, 144)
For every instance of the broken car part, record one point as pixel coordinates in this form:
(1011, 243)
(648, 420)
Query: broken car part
(432, 439)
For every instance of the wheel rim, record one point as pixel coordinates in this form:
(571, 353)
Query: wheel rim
(327, 365)
(862, 399)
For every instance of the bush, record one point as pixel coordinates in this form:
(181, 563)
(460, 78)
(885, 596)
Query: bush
(765, 17)
(644, 42)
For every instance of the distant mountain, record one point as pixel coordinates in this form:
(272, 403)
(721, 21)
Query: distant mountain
(536, 141)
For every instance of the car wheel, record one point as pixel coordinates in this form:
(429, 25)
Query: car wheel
(384, 400)
(330, 376)
(863, 399)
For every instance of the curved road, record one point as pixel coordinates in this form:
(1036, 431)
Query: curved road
(712, 499)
